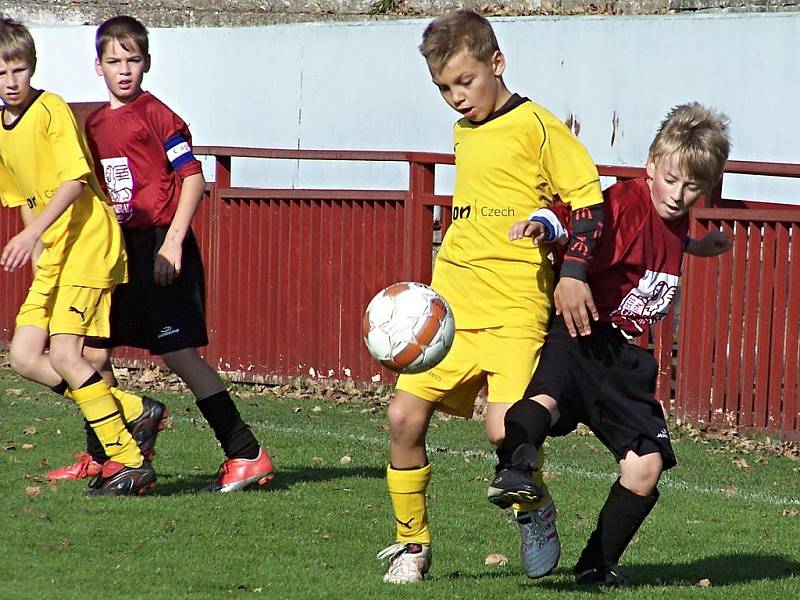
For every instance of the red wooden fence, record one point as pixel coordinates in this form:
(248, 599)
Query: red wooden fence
(291, 270)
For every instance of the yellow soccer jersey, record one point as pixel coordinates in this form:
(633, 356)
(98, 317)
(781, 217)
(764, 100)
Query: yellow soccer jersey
(507, 167)
(41, 150)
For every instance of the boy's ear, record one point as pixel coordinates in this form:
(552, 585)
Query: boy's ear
(97, 67)
(498, 63)
(146, 63)
(651, 168)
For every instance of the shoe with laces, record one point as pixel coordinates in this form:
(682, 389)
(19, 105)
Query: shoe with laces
(118, 480)
(514, 484)
(540, 547)
(85, 468)
(238, 473)
(611, 577)
(408, 563)
(144, 428)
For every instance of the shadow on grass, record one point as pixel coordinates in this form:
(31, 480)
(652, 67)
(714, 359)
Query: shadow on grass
(284, 479)
(722, 570)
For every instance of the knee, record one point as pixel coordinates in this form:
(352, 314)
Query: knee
(406, 427)
(21, 362)
(641, 474)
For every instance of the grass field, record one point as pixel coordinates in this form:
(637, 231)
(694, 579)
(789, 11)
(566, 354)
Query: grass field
(727, 525)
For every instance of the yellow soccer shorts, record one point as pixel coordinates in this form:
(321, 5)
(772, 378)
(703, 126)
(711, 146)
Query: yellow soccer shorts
(502, 357)
(66, 309)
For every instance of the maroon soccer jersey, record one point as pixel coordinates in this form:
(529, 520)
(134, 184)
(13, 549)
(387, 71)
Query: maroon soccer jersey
(142, 152)
(635, 272)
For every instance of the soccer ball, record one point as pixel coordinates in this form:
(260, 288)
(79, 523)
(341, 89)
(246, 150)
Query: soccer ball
(408, 327)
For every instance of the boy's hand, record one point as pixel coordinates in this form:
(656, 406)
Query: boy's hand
(531, 229)
(714, 243)
(19, 249)
(574, 301)
(167, 265)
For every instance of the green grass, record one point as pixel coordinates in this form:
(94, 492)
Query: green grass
(315, 532)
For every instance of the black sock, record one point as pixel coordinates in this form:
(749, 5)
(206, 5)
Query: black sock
(95, 378)
(93, 445)
(60, 388)
(233, 434)
(526, 422)
(619, 520)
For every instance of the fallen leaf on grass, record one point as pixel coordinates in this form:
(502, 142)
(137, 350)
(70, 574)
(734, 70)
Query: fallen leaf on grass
(704, 583)
(790, 512)
(728, 490)
(741, 463)
(14, 392)
(345, 460)
(496, 559)
(30, 430)
(28, 446)
(33, 490)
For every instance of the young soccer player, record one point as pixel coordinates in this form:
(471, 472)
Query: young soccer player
(144, 154)
(602, 380)
(512, 158)
(46, 170)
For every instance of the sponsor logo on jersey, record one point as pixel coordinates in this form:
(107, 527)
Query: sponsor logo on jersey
(120, 185)
(468, 211)
(649, 301)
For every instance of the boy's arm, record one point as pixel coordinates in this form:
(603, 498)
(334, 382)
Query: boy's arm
(27, 219)
(572, 297)
(21, 247)
(714, 243)
(168, 260)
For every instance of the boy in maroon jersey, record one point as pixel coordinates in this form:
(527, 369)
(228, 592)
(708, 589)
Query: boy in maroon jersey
(144, 159)
(602, 380)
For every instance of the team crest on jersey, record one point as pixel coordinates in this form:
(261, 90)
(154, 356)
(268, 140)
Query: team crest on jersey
(119, 183)
(649, 301)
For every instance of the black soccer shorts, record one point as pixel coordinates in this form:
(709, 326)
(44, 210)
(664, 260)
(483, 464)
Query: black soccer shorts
(606, 383)
(158, 318)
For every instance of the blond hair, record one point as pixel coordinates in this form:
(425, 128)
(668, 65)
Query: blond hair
(462, 29)
(697, 137)
(123, 30)
(16, 42)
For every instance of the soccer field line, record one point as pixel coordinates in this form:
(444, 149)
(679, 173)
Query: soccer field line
(668, 481)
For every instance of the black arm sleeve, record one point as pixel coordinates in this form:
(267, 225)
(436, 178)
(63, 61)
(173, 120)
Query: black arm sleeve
(587, 225)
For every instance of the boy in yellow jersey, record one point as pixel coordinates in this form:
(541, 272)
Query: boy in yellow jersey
(45, 168)
(513, 158)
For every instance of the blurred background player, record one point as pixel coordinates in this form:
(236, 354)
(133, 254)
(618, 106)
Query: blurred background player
(512, 158)
(601, 379)
(72, 236)
(144, 157)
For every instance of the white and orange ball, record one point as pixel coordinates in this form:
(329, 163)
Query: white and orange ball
(408, 327)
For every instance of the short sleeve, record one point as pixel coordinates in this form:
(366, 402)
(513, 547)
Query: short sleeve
(176, 140)
(69, 151)
(569, 168)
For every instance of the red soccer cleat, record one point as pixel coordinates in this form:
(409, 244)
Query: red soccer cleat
(238, 473)
(85, 468)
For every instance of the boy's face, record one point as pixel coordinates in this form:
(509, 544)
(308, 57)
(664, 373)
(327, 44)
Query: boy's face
(122, 70)
(15, 83)
(673, 193)
(473, 88)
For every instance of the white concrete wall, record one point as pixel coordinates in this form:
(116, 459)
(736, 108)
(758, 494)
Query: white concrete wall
(364, 86)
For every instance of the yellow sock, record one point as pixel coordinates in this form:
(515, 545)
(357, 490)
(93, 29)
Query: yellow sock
(99, 408)
(538, 479)
(407, 490)
(130, 405)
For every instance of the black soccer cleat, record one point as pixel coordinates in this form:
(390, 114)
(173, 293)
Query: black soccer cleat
(118, 480)
(144, 429)
(514, 484)
(610, 577)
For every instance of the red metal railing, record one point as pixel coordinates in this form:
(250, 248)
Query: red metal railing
(291, 270)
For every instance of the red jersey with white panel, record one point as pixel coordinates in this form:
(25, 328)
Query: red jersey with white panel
(635, 272)
(142, 153)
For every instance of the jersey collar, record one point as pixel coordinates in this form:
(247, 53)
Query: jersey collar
(513, 102)
(34, 96)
